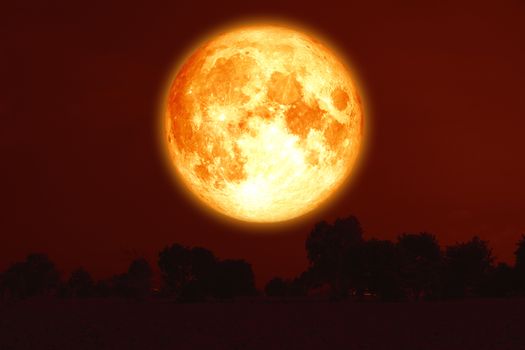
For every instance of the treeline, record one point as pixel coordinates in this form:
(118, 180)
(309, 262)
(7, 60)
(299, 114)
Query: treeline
(344, 264)
(188, 274)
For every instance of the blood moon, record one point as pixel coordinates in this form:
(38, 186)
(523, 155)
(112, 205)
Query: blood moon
(263, 123)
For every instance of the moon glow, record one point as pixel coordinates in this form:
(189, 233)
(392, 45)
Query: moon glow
(263, 123)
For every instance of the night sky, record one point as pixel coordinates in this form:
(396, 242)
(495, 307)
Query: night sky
(83, 178)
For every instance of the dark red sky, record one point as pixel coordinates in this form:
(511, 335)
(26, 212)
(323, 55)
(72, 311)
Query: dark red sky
(82, 177)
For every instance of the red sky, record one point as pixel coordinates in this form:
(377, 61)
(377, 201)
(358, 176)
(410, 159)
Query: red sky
(83, 179)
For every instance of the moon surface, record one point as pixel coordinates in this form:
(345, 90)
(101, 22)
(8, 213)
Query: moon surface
(263, 123)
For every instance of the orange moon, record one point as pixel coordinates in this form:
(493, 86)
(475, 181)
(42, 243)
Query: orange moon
(263, 123)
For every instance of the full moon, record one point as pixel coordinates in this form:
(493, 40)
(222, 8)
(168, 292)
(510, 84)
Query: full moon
(263, 123)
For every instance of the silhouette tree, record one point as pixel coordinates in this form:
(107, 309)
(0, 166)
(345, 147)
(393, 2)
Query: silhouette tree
(420, 258)
(339, 258)
(35, 276)
(189, 274)
(175, 266)
(498, 282)
(233, 278)
(519, 266)
(135, 283)
(139, 278)
(42, 275)
(201, 279)
(465, 267)
(318, 248)
(276, 287)
(335, 256)
(15, 280)
(80, 284)
(382, 267)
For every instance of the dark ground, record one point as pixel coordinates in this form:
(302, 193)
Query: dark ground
(120, 324)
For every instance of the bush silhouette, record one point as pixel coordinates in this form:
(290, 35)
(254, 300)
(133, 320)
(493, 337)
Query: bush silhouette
(499, 282)
(466, 265)
(135, 283)
(187, 273)
(139, 278)
(420, 259)
(203, 264)
(80, 284)
(194, 274)
(382, 266)
(335, 255)
(34, 276)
